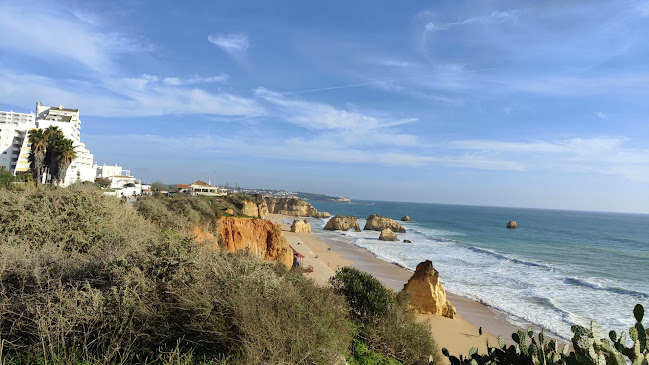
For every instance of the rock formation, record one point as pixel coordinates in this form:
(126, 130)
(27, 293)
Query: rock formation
(512, 224)
(388, 235)
(378, 223)
(293, 206)
(428, 295)
(321, 215)
(342, 223)
(301, 226)
(261, 237)
(407, 241)
(405, 218)
(229, 211)
(250, 208)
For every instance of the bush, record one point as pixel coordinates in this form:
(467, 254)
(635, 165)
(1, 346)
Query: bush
(385, 323)
(180, 214)
(366, 296)
(86, 279)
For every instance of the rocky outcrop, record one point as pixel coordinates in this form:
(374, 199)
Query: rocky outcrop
(378, 223)
(512, 224)
(261, 237)
(388, 235)
(293, 206)
(301, 226)
(428, 294)
(342, 223)
(321, 215)
(229, 211)
(407, 241)
(250, 208)
(405, 218)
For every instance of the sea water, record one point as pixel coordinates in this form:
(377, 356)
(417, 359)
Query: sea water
(556, 269)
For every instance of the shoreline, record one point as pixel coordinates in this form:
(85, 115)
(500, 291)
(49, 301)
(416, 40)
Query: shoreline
(458, 335)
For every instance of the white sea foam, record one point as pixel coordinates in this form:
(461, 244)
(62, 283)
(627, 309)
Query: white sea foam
(528, 291)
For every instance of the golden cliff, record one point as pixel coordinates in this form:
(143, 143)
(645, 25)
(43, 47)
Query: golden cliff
(261, 237)
(293, 206)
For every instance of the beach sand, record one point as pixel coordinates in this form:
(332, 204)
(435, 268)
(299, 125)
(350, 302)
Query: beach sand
(458, 335)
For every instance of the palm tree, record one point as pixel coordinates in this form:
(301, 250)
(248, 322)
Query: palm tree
(55, 138)
(65, 154)
(38, 140)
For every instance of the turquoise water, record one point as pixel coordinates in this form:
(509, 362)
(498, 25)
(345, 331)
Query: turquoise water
(558, 268)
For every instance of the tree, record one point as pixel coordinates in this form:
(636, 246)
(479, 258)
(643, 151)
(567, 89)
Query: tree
(38, 140)
(55, 139)
(65, 154)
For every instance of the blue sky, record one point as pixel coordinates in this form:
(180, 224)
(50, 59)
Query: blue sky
(508, 103)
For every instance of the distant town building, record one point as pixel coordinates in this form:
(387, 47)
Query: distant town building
(121, 181)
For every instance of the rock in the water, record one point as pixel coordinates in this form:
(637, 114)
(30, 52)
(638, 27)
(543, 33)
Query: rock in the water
(321, 215)
(405, 218)
(388, 235)
(407, 241)
(342, 223)
(428, 294)
(301, 226)
(229, 211)
(260, 237)
(378, 223)
(512, 224)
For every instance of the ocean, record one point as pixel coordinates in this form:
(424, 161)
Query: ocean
(556, 269)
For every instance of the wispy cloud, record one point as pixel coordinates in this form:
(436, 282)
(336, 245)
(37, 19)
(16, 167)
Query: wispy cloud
(231, 43)
(494, 17)
(643, 8)
(600, 155)
(314, 115)
(54, 35)
(145, 95)
(601, 115)
(195, 80)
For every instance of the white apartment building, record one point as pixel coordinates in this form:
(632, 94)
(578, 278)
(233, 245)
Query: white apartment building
(15, 146)
(13, 130)
(121, 181)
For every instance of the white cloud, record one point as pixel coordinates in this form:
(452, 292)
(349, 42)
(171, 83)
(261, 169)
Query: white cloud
(601, 115)
(603, 155)
(495, 17)
(314, 115)
(145, 95)
(176, 81)
(233, 42)
(53, 35)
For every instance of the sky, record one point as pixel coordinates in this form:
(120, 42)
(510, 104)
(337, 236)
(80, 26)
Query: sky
(540, 104)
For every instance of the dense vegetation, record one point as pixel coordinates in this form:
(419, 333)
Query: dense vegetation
(85, 278)
(383, 320)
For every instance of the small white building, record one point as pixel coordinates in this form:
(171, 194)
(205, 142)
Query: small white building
(121, 181)
(202, 188)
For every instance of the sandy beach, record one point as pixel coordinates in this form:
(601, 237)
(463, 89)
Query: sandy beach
(458, 335)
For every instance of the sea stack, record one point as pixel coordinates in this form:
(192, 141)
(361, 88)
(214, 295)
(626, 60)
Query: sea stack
(512, 224)
(388, 235)
(428, 294)
(405, 218)
(301, 226)
(342, 223)
(377, 223)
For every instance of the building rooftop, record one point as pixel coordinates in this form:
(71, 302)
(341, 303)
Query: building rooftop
(183, 186)
(201, 183)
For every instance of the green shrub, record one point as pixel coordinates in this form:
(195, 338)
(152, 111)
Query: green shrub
(361, 355)
(366, 296)
(86, 279)
(385, 324)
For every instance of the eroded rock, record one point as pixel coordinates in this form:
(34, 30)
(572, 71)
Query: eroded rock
(301, 226)
(342, 223)
(388, 235)
(377, 223)
(428, 294)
